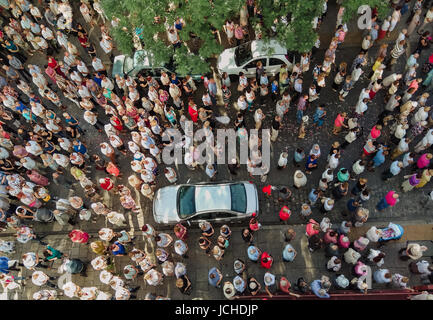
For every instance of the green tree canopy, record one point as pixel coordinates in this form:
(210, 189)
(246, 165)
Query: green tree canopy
(200, 16)
(293, 21)
(351, 7)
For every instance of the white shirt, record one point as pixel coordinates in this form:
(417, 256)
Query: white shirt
(97, 64)
(47, 34)
(115, 141)
(423, 267)
(333, 162)
(107, 83)
(30, 260)
(90, 117)
(107, 234)
(122, 294)
(81, 66)
(65, 144)
(61, 160)
(39, 278)
(332, 265)
(89, 293)
(107, 150)
(105, 45)
(428, 138)
(242, 104)
(70, 289)
(84, 92)
(75, 76)
(99, 263)
(105, 276)
(154, 278)
(171, 175)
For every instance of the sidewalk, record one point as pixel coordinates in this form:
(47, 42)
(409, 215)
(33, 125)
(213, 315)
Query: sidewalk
(309, 265)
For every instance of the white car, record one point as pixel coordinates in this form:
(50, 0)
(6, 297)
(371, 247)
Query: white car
(244, 58)
(207, 201)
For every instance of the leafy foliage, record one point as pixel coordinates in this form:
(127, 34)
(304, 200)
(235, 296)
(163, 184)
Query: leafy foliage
(351, 8)
(292, 20)
(199, 16)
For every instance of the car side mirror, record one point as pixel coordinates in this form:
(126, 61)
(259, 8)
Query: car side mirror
(189, 223)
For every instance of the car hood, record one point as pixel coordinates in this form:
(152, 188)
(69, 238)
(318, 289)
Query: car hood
(164, 205)
(226, 60)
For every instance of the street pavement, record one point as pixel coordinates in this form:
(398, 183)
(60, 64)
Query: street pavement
(413, 206)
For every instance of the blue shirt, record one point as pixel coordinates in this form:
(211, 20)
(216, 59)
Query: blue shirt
(288, 256)
(315, 287)
(21, 107)
(239, 287)
(379, 276)
(212, 88)
(80, 148)
(4, 267)
(379, 158)
(97, 80)
(213, 281)
(253, 254)
(72, 122)
(394, 168)
(121, 249)
(274, 87)
(350, 205)
(298, 156)
(313, 197)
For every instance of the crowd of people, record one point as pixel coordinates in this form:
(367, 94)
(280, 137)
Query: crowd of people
(43, 144)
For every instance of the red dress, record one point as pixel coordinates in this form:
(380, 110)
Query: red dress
(285, 285)
(266, 260)
(37, 178)
(182, 234)
(254, 225)
(330, 236)
(53, 64)
(107, 184)
(285, 213)
(117, 124)
(78, 236)
(267, 189)
(193, 113)
(310, 231)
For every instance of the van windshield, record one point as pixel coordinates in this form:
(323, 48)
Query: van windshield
(243, 54)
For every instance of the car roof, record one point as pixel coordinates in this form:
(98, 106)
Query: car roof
(212, 197)
(260, 48)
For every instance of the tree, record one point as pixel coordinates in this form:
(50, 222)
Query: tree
(148, 20)
(291, 22)
(351, 7)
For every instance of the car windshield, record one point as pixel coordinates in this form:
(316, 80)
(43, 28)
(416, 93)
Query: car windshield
(186, 201)
(243, 54)
(128, 65)
(239, 197)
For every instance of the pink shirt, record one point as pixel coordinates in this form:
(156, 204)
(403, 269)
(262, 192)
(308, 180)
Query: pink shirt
(390, 199)
(375, 133)
(423, 161)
